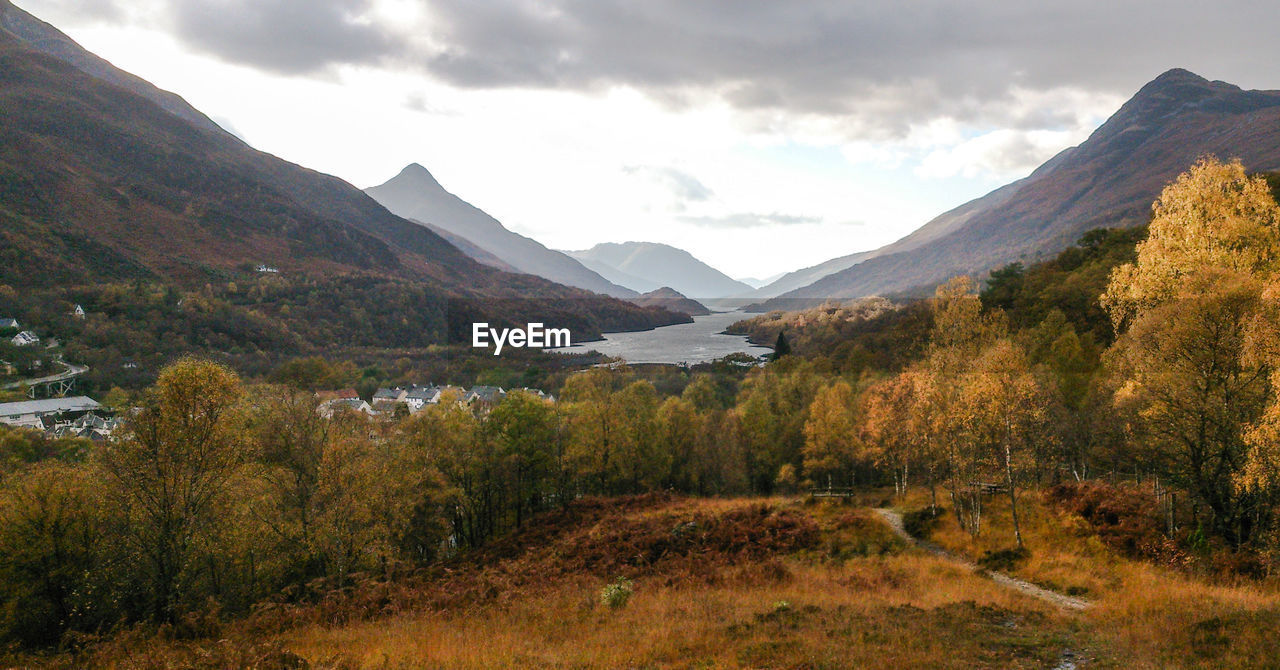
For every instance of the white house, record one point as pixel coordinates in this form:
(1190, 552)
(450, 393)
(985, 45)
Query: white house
(28, 413)
(6, 324)
(25, 339)
(78, 312)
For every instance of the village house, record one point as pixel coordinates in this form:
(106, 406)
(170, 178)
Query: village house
(386, 399)
(488, 395)
(333, 406)
(9, 324)
(26, 338)
(28, 414)
(421, 396)
(78, 312)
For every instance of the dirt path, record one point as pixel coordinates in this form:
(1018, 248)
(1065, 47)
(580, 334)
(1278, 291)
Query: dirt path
(894, 519)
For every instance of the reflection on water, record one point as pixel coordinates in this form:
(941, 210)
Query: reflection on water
(698, 342)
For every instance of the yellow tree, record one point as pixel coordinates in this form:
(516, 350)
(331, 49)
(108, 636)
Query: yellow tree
(1198, 308)
(961, 330)
(1212, 216)
(831, 447)
(1004, 410)
(172, 467)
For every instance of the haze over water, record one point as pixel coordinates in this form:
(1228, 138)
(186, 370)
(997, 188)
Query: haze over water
(699, 342)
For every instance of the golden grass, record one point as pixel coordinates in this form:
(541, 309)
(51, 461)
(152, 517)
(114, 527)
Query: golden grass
(895, 611)
(858, 598)
(1152, 616)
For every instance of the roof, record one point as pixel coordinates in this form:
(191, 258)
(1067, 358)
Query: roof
(75, 404)
(487, 392)
(423, 392)
(388, 394)
(8, 323)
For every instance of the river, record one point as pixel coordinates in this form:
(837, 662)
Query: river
(699, 342)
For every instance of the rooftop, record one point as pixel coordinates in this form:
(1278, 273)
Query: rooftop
(74, 404)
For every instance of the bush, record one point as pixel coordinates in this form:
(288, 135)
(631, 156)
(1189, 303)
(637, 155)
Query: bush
(616, 595)
(1003, 560)
(920, 523)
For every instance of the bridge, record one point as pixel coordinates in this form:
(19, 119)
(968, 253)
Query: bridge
(53, 385)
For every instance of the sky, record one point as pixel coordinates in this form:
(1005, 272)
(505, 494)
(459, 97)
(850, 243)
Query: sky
(761, 136)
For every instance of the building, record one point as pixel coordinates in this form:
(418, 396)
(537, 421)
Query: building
(28, 414)
(386, 399)
(330, 407)
(540, 394)
(267, 269)
(6, 324)
(490, 395)
(420, 396)
(26, 338)
(78, 312)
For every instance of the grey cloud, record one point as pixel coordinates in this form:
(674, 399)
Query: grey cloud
(750, 220)
(682, 185)
(884, 65)
(288, 36)
(876, 67)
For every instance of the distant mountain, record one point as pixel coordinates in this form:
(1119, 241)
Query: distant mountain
(104, 178)
(1108, 181)
(416, 195)
(645, 266)
(671, 299)
(755, 282)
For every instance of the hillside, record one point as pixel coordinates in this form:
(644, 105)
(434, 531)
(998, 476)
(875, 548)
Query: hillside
(645, 266)
(416, 195)
(102, 185)
(671, 299)
(1108, 181)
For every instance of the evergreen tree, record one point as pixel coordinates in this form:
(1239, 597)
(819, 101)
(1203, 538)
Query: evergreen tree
(781, 347)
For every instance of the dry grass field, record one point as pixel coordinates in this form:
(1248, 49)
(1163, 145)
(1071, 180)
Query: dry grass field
(776, 583)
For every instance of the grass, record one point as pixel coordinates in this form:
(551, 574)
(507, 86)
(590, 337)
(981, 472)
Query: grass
(772, 583)
(1157, 616)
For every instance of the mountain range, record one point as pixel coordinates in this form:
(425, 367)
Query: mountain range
(105, 178)
(645, 266)
(416, 195)
(1110, 180)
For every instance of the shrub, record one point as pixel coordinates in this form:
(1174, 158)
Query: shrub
(920, 523)
(616, 595)
(1003, 560)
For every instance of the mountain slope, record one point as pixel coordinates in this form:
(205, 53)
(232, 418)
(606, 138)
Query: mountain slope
(671, 299)
(416, 195)
(649, 265)
(101, 184)
(1109, 180)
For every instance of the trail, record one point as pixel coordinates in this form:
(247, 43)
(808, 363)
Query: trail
(894, 519)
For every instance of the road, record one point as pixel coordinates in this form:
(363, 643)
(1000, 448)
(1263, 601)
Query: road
(72, 371)
(894, 519)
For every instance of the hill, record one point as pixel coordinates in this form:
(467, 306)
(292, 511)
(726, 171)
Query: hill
(416, 195)
(671, 299)
(1108, 181)
(645, 266)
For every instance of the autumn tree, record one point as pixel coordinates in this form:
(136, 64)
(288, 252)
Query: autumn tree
(1197, 316)
(832, 448)
(170, 470)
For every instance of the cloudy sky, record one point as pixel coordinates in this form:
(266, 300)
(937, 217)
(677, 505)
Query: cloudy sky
(762, 136)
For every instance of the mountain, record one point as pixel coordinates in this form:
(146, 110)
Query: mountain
(671, 299)
(1108, 181)
(416, 195)
(105, 179)
(645, 266)
(755, 282)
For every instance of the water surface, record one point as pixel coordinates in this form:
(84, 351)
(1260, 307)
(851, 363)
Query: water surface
(699, 342)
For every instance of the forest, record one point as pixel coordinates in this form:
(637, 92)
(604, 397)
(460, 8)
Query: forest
(1136, 355)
